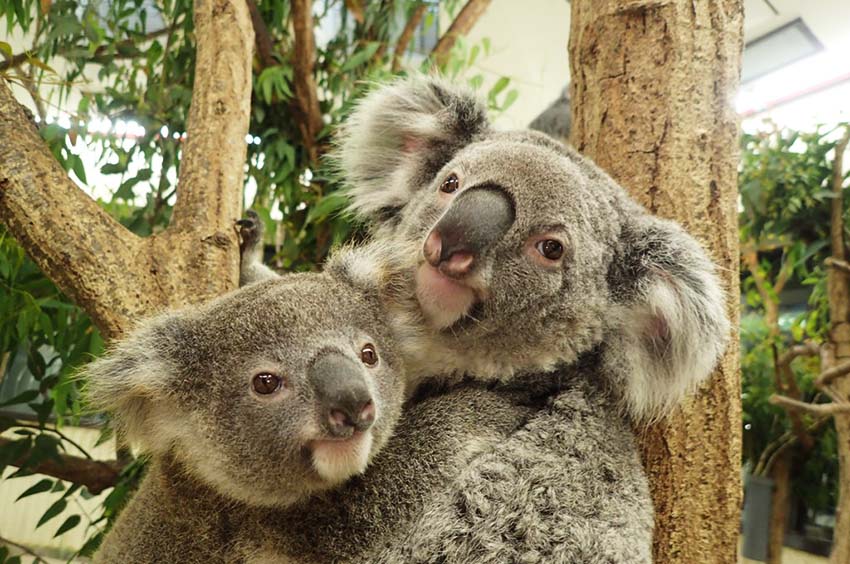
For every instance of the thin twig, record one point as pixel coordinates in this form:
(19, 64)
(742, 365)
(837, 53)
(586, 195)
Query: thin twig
(814, 408)
(20, 58)
(96, 475)
(407, 35)
(774, 449)
(465, 20)
(57, 432)
(23, 548)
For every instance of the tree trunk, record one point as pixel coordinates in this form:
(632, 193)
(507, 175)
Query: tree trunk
(781, 475)
(114, 275)
(838, 287)
(652, 89)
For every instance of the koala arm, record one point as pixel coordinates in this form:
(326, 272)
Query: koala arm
(251, 268)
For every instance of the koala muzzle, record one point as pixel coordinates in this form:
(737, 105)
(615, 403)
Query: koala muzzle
(476, 219)
(344, 401)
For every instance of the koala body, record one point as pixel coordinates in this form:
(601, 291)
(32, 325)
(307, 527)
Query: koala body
(255, 400)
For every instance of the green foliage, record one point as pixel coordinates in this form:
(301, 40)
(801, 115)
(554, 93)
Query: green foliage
(141, 54)
(785, 182)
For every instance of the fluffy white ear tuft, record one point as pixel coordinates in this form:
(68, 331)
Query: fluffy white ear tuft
(131, 378)
(668, 327)
(399, 133)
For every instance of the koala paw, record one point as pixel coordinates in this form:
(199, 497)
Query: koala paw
(250, 230)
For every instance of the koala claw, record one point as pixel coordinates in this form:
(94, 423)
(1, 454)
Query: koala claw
(250, 230)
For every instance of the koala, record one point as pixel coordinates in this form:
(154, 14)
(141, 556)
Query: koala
(253, 401)
(518, 255)
(555, 119)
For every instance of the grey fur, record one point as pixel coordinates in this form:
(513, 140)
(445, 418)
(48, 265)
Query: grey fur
(638, 286)
(543, 472)
(555, 119)
(180, 385)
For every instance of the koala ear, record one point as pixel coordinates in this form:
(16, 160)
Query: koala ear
(668, 326)
(399, 136)
(132, 377)
(378, 267)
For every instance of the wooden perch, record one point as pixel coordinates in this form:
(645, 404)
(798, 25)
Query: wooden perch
(465, 20)
(308, 113)
(407, 34)
(95, 475)
(813, 408)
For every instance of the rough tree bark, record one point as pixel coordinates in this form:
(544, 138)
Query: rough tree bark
(838, 284)
(113, 274)
(652, 89)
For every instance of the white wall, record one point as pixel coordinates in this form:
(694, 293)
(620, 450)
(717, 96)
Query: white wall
(529, 45)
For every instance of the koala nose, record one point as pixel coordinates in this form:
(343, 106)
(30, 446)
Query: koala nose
(345, 403)
(476, 219)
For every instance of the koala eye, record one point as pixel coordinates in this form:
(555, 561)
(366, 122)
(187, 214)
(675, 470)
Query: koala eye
(265, 383)
(450, 184)
(550, 248)
(369, 355)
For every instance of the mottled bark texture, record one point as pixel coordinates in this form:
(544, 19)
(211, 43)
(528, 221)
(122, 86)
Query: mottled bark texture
(114, 275)
(838, 286)
(652, 89)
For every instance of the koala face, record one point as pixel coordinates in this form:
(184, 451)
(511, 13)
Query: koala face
(270, 393)
(521, 254)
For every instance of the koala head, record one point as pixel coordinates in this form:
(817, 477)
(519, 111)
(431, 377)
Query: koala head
(275, 391)
(522, 254)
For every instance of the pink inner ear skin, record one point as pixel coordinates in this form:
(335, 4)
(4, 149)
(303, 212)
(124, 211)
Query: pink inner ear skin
(411, 144)
(658, 334)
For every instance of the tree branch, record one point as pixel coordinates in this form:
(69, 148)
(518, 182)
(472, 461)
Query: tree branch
(813, 408)
(783, 370)
(356, 9)
(827, 376)
(407, 35)
(784, 275)
(95, 475)
(841, 265)
(775, 448)
(23, 548)
(262, 36)
(465, 20)
(806, 349)
(751, 260)
(839, 252)
(211, 169)
(308, 114)
(81, 248)
(20, 58)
